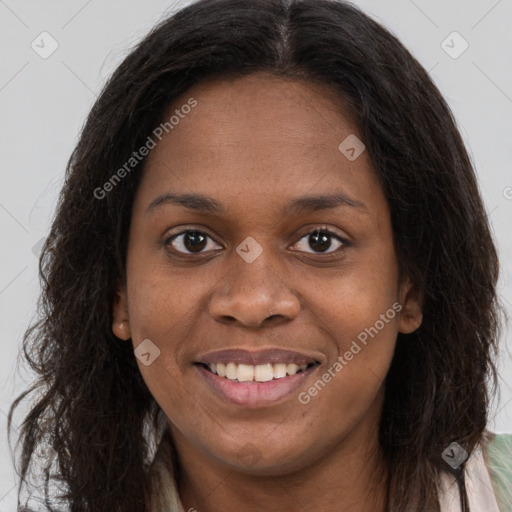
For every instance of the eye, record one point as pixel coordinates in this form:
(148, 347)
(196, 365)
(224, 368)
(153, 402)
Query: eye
(190, 241)
(193, 241)
(321, 240)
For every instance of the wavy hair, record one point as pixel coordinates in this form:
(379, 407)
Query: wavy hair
(93, 403)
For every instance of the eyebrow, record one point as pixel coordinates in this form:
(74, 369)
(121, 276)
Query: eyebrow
(202, 203)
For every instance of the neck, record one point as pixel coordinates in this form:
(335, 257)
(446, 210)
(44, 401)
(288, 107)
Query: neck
(352, 477)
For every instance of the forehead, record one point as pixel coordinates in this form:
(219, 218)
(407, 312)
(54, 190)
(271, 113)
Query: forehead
(261, 137)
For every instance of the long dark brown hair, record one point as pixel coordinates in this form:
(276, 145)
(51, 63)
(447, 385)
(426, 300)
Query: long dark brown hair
(92, 402)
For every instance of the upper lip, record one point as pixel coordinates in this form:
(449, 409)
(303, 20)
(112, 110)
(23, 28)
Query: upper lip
(255, 357)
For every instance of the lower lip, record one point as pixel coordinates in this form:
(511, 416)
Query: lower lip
(255, 394)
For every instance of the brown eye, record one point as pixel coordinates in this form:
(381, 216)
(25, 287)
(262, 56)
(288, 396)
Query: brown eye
(320, 240)
(189, 241)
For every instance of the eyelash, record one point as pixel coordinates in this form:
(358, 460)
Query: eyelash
(320, 230)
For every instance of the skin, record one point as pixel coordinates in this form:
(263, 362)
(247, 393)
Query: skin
(255, 144)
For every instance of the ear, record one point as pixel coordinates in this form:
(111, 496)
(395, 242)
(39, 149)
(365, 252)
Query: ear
(411, 314)
(120, 323)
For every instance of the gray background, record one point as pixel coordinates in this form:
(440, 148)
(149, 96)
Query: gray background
(43, 104)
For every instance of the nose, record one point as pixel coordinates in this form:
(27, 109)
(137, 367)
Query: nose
(253, 295)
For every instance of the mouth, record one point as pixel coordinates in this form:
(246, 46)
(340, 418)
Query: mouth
(256, 373)
(256, 379)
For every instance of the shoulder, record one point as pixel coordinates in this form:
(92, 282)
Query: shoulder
(497, 450)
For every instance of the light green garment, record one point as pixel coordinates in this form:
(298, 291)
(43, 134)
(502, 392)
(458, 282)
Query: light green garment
(499, 462)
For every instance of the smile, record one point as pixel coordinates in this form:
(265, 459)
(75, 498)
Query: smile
(256, 379)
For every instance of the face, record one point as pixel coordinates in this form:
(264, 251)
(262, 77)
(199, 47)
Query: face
(264, 312)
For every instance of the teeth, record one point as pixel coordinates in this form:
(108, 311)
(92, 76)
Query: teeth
(291, 369)
(280, 370)
(232, 371)
(245, 372)
(258, 373)
(263, 372)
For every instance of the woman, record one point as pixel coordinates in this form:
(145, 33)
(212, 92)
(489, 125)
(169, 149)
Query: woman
(270, 283)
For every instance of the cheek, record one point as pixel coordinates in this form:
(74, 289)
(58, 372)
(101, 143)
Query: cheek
(351, 384)
(161, 315)
(364, 328)
(160, 301)
(158, 310)
(359, 311)
(354, 298)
